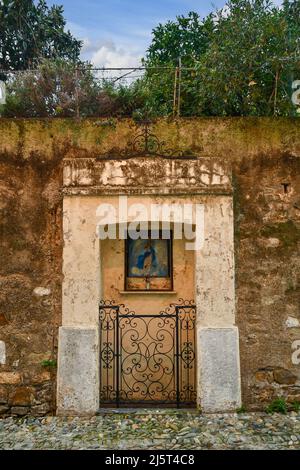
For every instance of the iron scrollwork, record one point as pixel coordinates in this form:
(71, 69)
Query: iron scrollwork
(147, 144)
(147, 358)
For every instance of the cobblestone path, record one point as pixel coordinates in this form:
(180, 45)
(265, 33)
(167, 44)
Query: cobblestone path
(154, 430)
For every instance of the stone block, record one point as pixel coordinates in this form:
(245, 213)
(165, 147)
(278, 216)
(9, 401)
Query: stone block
(264, 376)
(44, 392)
(293, 398)
(284, 376)
(219, 369)
(41, 410)
(78, 371)
(3, 409)
(22, 396)
(41, 377)
(10, 378)
(19, 410)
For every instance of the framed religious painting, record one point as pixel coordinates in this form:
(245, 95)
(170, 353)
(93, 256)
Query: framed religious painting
(149, 264)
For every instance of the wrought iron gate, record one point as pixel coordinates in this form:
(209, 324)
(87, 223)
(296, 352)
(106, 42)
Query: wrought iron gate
(147, 359)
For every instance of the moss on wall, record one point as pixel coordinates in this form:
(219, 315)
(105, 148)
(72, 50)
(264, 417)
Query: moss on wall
(235, 139)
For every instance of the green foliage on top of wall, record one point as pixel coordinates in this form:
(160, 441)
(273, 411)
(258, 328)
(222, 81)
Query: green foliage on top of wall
(241, 61)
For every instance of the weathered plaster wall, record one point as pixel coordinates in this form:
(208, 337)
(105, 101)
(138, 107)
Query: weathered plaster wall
(30, 278)
(264, 153)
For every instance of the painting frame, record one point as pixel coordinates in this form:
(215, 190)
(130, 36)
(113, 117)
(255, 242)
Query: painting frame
(150, 283)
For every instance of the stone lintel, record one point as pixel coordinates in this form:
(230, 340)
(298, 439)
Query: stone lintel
(87, 176)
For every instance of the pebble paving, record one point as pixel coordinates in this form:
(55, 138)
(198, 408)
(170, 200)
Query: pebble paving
(151, 429)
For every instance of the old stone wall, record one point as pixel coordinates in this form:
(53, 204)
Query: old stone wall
(267, 198)
(30, 277)
(264, 155)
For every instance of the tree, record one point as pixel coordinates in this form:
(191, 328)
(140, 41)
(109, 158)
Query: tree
(187, 38)
(247, 68)
(31, 31)
(244, 60)
(56, 88)
(238, 61)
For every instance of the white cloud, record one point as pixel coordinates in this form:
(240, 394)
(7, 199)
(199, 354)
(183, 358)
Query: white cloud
(110, 55)
(111, 52)
(90, 47)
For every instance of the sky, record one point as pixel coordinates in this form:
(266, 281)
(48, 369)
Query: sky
(116, 33)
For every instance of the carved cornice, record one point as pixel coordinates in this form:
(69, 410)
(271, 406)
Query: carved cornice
(146, 176)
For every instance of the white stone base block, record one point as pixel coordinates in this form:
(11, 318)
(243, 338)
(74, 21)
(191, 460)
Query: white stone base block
(219, 381)
(78, 371)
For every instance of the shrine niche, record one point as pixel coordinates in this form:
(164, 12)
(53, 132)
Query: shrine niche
(149, 274)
